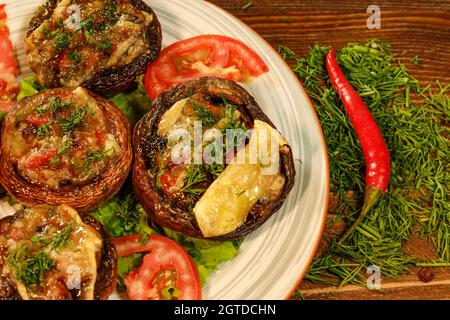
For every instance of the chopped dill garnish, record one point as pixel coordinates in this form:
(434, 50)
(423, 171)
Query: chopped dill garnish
(43, 130)
(56, 160)
(62, 239)
(247, 5)
(206, 117)
(105, 43)
(41, 111)
(65, 147)
(416, 60)
(215, 169)
(31, 268)
(410, 118)
(63, 41)
(74, 120)
(110, 10)
(75, 57)
(238, 194)
(233, 123)
(56, 104)
(95, 156)
(57, 241)
(286, 20)
(195, 174)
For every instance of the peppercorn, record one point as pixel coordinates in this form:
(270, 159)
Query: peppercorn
(425, 274)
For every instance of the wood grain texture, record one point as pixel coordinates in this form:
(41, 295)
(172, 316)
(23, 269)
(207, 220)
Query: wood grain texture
(413, 28)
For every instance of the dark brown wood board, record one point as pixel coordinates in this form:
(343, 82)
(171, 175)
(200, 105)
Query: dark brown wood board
(413, 28)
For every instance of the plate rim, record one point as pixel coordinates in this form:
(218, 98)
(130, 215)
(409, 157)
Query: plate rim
(322, 137)
(322, 222)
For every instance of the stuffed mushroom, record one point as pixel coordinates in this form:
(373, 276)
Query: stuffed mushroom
(102, 45)
(186, 171)
(64, 146)
(53, 253)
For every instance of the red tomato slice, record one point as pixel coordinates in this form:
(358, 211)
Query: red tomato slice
(2, 12)
(167, 181)
(207, 55)
(165, 257)
(8, 66)
(38, 119)
(101, 138)
(40, 160)
(170, 177)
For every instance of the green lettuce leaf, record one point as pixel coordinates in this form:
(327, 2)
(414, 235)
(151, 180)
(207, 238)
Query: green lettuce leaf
(123, 215)
(134, 104)
(127, 264)
(208, 255)
(28, 87)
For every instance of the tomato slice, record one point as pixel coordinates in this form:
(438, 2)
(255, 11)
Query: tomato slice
(37, 161)
(39, 119)
(167, 263)
(101, 138)
(170, 177)
(206, 55)
(8, 66)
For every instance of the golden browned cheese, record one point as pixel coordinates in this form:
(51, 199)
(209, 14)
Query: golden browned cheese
(69, 252)
(64, 146)
(66, 140)
(203, 200)
(81, 38)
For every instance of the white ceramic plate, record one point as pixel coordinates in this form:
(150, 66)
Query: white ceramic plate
(273, 259)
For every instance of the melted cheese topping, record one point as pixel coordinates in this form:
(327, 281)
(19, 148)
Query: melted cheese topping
(60, 140)
(250, 177)
(83, 37)
(172, 118)
(75, 264)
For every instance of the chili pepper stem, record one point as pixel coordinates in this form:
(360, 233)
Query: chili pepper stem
(371, 197)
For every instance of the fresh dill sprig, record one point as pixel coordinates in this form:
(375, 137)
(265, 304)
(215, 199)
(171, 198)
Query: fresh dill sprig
(95, 156)
(195, 174)
(233, 123)
(65, 147)
(206, 117)
(31, 268)
(416, 60)
(55, 242)
(73, 120)
(62, 42)
(247, 5)
(56, 104)
(43, 130)
(410, 118)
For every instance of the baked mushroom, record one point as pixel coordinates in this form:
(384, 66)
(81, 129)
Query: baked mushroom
(64, 147)
(101, 45)
(196, 185)
(53, 253)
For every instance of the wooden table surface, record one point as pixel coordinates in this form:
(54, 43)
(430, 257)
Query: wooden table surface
(414, 28)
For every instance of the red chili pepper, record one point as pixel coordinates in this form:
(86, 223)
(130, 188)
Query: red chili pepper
(376, 153)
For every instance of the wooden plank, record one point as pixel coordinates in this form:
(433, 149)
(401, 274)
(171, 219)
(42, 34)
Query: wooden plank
(412, 27)
(406, 287)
